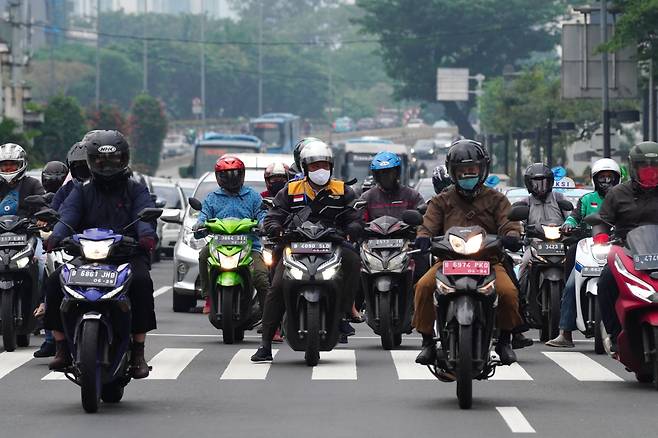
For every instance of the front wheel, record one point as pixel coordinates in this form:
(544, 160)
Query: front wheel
(312, 354)
(112, 392)
(655, 357)
(385, 322)
(23, 340)
(228, 325)
(554, 309)
(90, 376)
(598, 333)
(465, 367)
(7, 316)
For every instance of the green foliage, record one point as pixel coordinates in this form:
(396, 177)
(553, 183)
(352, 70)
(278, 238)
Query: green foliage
(107, 117)
(638, 25)
(10, 133)
(64, 124)
(148, 129)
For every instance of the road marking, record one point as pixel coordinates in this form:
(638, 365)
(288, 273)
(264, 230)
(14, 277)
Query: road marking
(515, 419)
(242, 368)
(336, 365)
(582, 367)
(203, 335)
(53, 375)
(10, 361)
(162, 290)
(512, 372)
(407, 368)
(170, 362)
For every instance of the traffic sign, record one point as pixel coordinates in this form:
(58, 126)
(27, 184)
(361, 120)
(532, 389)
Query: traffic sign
(452, 84)
(197, 106)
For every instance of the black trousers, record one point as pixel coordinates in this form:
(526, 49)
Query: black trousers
(275, 305)
(140, 294)
(607, 296)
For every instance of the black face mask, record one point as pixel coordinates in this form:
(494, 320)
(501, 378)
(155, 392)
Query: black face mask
(276, 186)
(388, 181)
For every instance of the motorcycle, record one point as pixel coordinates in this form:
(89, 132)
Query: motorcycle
(96, 308)
(234, 306)
(387, 275)
(466, 302)
(19, 286)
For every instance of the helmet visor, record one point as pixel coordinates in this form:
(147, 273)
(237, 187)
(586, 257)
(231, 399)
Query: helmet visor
(647, 172)
(540, 186)
(10, 166)
(388, 179)
(105, 164)
(80, 171)
(230, 180)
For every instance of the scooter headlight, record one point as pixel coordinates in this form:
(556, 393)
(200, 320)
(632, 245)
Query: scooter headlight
(443, 288)
(639, 288)
(229, 262)
(373, 261)
(295, 273)
(470, 246)
(600, 252)
(397, 262)
(551, 232)
(22, 262)
(329, 273)
(96, 249)
(488, 288)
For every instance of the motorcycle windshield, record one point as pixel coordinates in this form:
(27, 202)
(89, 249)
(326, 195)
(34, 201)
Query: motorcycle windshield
(643, 240)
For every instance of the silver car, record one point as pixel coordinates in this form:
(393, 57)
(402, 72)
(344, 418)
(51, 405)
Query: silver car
(174, 198)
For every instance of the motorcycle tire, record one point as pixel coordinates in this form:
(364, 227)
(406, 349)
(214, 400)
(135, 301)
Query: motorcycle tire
(239, 335)
(397, 340)
(655, 358)
(598, 333)
(385, 322)
(183, 303)
(90, 377)
(23, 340)
(112, 392)
(7, 316)
(228, 327)
(312, 353)
(465, 367)
(554, 310)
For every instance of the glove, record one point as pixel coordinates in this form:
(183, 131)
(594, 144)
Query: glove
(601, 239)
(148, 243)
(567, 228)
(423, 243)
(199, 230)
(51, 243)
(275, 230)
(513, 243)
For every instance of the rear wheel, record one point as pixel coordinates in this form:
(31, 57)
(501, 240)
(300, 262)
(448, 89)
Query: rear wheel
(655, 357)
(312, 354)
(183, 303)
(465, 367)
(23, 340)
(112, 392)
(598, 333)
(385, 319)
(90, 378)
(228, 325)
(397, 340)
(7, 316)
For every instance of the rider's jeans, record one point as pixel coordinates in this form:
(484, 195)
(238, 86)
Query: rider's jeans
(568, 305)
(607, 296)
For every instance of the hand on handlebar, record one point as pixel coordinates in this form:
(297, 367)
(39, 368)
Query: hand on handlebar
(567, 228)
(423, 243)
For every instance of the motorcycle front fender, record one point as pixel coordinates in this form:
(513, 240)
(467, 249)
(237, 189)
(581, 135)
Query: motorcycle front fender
(551, 274)
(463, 310)
(383, 283)
(230, 278)
(311, 294)
(649, 318)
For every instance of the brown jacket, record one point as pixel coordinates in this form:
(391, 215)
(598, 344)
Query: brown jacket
(488, 210)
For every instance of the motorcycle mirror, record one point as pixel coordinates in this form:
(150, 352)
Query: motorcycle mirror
(565, 205)
(149, 214)
(412, 217)
(47, 215)
(160, 203)
(171, 216)
(519, 212)
(195, 204)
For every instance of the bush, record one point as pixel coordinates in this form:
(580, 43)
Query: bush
(64, 124)
(148, 129)
(107, 117)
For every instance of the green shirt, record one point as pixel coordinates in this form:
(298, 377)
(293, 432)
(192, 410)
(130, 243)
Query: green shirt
(587, 204)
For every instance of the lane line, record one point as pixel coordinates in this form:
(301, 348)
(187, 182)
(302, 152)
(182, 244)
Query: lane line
(242, 368)
(160, 291)
(515, 419)
(336, 365)
(10, 361)
(582, 367)
(511, 372)
(53, 375)
(201, 335)
(407, 368)
(170, 362)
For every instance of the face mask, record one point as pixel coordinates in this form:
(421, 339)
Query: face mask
(388, 181)
(276, 187)
(648, 177)
(468, 183)
(320, 176)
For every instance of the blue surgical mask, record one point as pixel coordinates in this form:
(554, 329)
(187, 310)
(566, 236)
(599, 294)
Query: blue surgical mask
(468, 183)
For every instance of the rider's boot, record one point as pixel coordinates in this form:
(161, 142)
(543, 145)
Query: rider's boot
(427, 355)
(504, 349)
(264, 352)
(139, 369)
(62, 359)
(520, 341)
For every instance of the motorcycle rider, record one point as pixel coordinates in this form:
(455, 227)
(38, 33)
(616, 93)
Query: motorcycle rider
(329, 201)
(232, 199)
(626, 206)
(606, 174)
(76, 160)
(276, 177)
(468, 202)
(440, 178)
(296, 170)
(109, 200)
(15, 186)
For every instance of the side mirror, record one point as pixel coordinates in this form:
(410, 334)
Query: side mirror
(171, 216)
(47, 215)
(195, 204)
(360, 205)
(519, 212)
(565, 205)
(36, 201)
(422, 208)
(48, 197)
(412, 217)
(149, 214)
(268, 203)
(593, 219)
(160, 203)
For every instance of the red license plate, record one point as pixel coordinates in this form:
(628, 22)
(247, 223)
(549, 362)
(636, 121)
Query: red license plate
(466, 267)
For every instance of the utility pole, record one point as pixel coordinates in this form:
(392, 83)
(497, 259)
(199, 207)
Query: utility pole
(519, 157)
(203, 66)
(604, 80)
(652, 103)
(549, 142)
(145, 55)
(98, 57)
(260, 57)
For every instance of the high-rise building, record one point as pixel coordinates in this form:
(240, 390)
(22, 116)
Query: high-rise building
(214, 8)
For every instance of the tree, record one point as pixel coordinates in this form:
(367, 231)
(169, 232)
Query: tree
(637, 25)
(10, 133)
(107, 117)
(148, 129)
(416, 37)
(64, 124)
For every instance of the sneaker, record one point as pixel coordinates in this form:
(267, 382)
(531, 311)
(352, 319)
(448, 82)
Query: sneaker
(62, 359)
(139, 369)
(520, 341)
(47, 349)
(560, 342)
(345, 328)
(262, 355)
(277, 339)
(506, 354)
(206, 306)
(427, 355)
(342, 339)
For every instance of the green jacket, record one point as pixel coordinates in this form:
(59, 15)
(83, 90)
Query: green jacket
(587, 204)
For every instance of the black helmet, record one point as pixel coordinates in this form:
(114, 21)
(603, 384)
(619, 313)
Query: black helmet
(53, 175)
(468, 159)
(539, 180)
(440, 179)
(76, 160)
(297, 150)
(643, 159)
(108, 155)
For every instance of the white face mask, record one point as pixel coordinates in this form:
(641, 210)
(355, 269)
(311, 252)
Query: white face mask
(320, 176)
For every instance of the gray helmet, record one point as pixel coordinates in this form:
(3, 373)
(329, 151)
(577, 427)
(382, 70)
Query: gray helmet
(15, 153)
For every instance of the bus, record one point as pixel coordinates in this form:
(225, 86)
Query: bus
(213, 145)
(353, 158)
(278, 131)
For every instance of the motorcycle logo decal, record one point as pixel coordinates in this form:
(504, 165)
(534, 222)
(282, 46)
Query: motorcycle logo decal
(107, 149)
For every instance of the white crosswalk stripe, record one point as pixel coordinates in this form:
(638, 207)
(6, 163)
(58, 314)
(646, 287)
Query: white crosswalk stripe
(582, 367)
(406, 367)
(54, 376)
(336, 365)
(10, 361)
(170, 362)
(511, 372)
(242, 368)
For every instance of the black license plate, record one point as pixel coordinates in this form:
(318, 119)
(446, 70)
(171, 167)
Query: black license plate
(231, 239)
(310, 247)
(588, 271)
(385, 243)
(646, 262)
(11, 239)
(549, 248)
(92, 277)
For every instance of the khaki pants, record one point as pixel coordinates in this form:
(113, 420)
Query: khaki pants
(508, 316)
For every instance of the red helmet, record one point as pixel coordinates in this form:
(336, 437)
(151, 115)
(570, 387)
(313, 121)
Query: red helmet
(229, 172)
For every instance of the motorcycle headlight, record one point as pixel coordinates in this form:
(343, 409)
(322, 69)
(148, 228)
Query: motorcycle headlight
(551, 232)
(329, 273)
(22, 262)
(295, 273)
(96, 249)
(267, 257)
(397, 262)
(373, 262)
(470, 246)
(229, 262)
(600, 252)
(488, 288)
(443, 288)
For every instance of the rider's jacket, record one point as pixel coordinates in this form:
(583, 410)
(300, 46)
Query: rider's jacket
(587, 204)
(331, 205)
(62, 194)
(546, 211)
(11, 198)
(489, 209)
(383, 203)
(626, 206)
(246, 204)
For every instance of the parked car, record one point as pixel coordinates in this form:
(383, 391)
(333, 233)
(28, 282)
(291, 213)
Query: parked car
(343, 124)
(174, 145)
(174, 199)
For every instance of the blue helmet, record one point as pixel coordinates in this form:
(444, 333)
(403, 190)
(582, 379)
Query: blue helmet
(385, 160)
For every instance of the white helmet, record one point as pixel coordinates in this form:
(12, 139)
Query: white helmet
(13, 152)
(315, 151)
(605, 164)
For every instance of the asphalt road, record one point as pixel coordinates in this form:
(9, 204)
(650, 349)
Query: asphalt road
(201, 388)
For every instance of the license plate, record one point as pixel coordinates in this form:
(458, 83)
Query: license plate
(591, 271)
(466, 267)
(310, 247)
(11, 239)
(385, 243)
(646, 262)
(92, 277)
(549, 248)
(231, 239)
